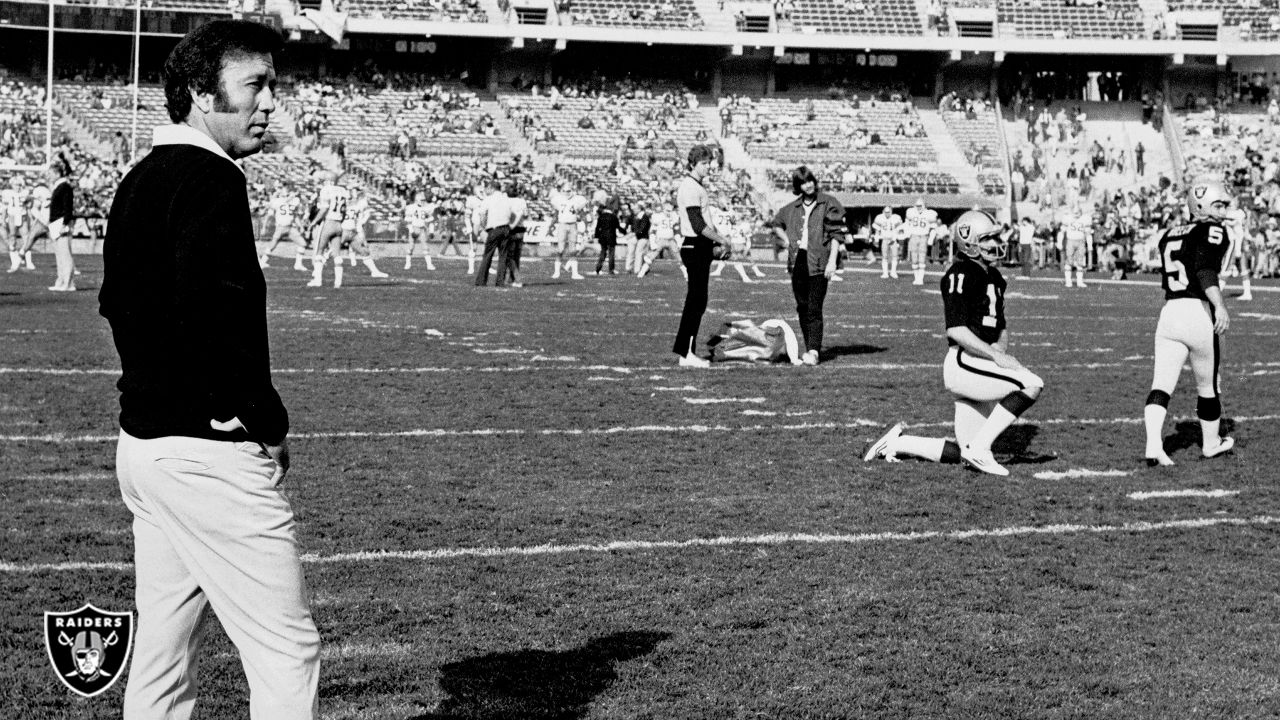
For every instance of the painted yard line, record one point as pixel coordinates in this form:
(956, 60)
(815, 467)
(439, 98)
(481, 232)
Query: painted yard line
(63, 477)
(717, 401)
(60, 438)
(79, 502)
(1182, 494)
(63, 530)
(682, 388)
(772, 539)
(1079, 473)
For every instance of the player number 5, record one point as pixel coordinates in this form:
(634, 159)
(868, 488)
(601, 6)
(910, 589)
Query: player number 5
(1174, 271)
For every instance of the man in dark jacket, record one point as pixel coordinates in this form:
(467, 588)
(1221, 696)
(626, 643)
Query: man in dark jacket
(202, 447)
(607, 227)
(813, 228)
(61, 217)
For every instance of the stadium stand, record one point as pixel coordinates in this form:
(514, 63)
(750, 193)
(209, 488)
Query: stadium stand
(22, 123)
(641, 14)
(859, 132)
(1255, 19)
(608, 126)
(857, 17)
(432, 10)
(1060, 19)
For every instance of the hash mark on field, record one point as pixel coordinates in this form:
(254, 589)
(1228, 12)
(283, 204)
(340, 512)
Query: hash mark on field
(716, 401)
(684, 388)
(1079, 473)
(54, 477)
(765, 413)
(79, 502)
(601, 378)
(714, 542)
(1182, 493)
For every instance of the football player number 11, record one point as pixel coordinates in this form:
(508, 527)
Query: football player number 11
(1175, 272)
(957, 287)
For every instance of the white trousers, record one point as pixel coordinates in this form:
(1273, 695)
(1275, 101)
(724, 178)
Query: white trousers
(979, 379)
(210, 530)
(1185, 331)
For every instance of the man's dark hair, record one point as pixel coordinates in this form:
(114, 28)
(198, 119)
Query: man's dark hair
(197, 60)
(699, 153)
(800, 176)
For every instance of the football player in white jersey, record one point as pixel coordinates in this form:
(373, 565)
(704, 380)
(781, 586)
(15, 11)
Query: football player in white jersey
(354, 236)
(37, 220)
(475, 198)
(723, 222)
(886, 229)
(13, 205)
(1074, 240)
(1193, 256)
(569, 205)
(331, 203)
(1236, 222)
(991, 388)
(285, 207)
(419, 218)
(662, 234)
(920, 222)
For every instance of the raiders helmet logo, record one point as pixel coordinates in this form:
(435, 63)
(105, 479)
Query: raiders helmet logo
(88, 647)
(963, 231)
(1199, 191)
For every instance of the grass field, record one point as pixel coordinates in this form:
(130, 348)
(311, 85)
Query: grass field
(515, 506)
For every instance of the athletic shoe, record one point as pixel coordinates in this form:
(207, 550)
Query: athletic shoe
(1246, 297)
(517, 285)
(315, 282)
(1224, 446)
(577, 276)
(757, 271)
(378, 274)
(1080, 284)
(810, 357)
(893, 275)
(881, 446)
(1159, 459)
(692, 360)
(884, 276)
(982, 460)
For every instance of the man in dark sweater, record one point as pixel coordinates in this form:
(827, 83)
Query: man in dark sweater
(61, 217)
(202, 447)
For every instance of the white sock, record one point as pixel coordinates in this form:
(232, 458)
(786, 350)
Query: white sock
(924, 448)
(742, 271)
(337, 274)
(884, 266)
(1080, 278)
(373, 268)
(1067, 275)
(920, 275)
(997, 422)
(430, 265)
(1209, 437)
(1153, 418)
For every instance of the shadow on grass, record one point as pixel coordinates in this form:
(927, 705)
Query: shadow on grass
(836, 351)
(537, 684)
(1186, 434)
(1015, 442)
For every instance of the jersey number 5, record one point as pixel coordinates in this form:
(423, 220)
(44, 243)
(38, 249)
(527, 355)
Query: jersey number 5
(1175, 273)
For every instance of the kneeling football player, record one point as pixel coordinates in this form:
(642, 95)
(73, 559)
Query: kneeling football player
(991, 388)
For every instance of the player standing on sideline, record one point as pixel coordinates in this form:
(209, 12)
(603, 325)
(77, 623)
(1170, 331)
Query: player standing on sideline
(940, 241)
(1237, 225)
(1074, 241)
(37, 220)
(285, 205)
(920, 221)
(663, 227)
(475, 198)
(13, 203)
(417, 215)
(992, 389)
(331, 202)
(61, 217)
(695, 252)
(203, 442)
(886, 227)
(1191, 258)
(568, 205)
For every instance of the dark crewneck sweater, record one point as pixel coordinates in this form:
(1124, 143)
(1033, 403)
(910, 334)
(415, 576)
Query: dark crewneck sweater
(186, 301)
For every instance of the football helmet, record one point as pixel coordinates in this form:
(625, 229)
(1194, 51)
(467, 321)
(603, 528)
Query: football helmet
(1208, 198)
(978, 235)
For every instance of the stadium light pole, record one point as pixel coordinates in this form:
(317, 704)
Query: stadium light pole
(137, 79)
(48, 95)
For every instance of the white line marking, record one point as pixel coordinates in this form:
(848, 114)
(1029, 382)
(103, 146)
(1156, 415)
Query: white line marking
(716, 401)
(1182, 493)
(59, 477)
(723, 541)
(62, 438)
(764, 413)
(1079, 473)
(683, 388)
(78, 502)
(602, 378)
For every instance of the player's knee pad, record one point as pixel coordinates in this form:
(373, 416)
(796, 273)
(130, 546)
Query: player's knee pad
(1017, 402)
(1158, 397)
(1208, 408)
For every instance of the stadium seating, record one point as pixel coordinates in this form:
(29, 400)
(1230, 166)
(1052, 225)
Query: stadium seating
(433, 10)
(779, 129)
(1261, 17)
(858, 17)
(643, 14)
(978, 137)
(1058, 19)
(601, 142)
(889, 182)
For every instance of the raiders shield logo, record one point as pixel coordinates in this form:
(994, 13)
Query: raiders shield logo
(88, 647)
(963, 231)
(1199, 191)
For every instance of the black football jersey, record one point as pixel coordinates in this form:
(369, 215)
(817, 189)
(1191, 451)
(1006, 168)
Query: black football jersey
(1191, 257)
(973, 297)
